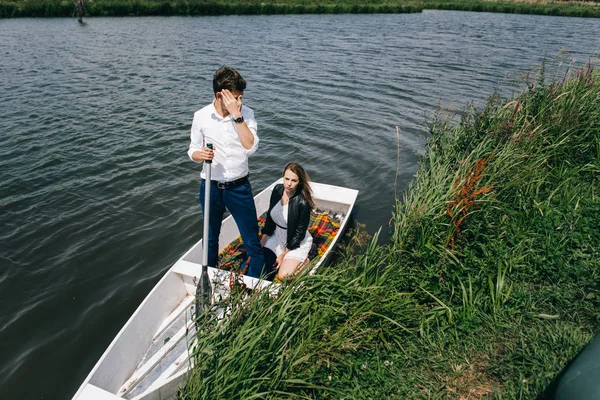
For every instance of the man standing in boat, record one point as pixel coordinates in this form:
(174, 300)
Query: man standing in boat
(231, 128)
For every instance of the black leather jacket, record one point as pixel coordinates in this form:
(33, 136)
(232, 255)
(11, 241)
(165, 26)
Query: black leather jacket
(298, 217)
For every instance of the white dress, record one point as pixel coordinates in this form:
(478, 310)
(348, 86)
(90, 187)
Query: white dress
(278, 241)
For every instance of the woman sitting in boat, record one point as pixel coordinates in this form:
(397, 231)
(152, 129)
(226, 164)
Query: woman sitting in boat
(286, 229)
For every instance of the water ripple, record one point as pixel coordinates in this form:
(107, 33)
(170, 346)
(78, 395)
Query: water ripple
(98, 197)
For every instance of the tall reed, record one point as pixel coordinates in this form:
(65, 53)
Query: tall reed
(529, 247)
(497, 313)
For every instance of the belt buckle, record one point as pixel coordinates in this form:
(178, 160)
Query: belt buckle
(221, 185)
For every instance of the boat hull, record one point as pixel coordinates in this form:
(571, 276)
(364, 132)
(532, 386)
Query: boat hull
(148, 359)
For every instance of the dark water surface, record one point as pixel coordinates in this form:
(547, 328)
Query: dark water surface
(98, 197)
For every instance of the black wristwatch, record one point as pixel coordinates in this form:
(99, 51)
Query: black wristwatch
(238, 120)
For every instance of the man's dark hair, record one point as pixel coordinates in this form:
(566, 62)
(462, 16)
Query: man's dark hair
(228, 78)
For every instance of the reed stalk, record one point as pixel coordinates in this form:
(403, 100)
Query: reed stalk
(497, 314)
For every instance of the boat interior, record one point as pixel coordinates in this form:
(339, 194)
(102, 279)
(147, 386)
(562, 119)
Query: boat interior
(149, 357)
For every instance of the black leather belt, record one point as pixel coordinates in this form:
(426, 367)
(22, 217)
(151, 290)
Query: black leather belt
(230, 185)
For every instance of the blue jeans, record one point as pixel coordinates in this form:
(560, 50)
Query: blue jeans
(240, 203)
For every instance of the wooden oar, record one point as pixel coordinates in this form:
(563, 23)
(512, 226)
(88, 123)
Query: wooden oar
(204, 289)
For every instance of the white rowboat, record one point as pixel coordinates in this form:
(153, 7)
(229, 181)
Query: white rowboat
(149, 359)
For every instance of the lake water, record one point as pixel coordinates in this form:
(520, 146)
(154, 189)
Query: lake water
(98, 197)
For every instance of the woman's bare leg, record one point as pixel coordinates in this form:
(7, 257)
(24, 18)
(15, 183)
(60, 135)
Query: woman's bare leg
(287, 268)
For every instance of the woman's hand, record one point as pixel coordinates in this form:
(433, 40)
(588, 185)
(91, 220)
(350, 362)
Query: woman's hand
(279, 260)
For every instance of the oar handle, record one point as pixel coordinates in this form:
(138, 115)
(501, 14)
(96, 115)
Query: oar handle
(210, 146)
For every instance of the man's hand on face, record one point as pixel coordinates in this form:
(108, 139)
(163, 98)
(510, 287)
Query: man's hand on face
(232, 102)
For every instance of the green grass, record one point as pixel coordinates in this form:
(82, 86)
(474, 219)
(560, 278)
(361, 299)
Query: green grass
(102, 8)
(556, 8)
(490, 297)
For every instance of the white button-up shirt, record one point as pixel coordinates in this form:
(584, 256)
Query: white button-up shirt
(231, 158)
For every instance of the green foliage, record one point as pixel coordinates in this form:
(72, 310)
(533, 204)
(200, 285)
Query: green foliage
(528, 258)
(314, 335)
(497, 315)
(63, 8)
(563, 8)
(94, 8)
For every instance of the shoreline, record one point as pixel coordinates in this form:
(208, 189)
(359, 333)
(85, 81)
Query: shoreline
(122, 8)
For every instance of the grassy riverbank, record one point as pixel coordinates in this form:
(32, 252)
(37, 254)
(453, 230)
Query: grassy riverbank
(489, 286)
(556, 8)
(65, 8)
(102, 8)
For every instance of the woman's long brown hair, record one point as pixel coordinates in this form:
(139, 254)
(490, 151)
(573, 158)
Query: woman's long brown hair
(303, 180)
